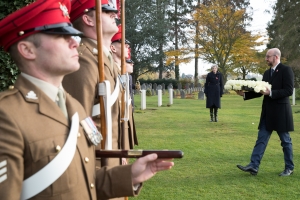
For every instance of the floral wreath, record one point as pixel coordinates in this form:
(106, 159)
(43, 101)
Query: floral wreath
(248, 85)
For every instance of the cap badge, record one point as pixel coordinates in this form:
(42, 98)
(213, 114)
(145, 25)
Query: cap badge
(64, 10)
(31, 95)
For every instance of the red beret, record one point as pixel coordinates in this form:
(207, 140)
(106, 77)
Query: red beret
(47, 16)
(118, 36)
(79, 7)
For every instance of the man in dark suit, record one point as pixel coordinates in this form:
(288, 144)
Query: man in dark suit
(276, 114)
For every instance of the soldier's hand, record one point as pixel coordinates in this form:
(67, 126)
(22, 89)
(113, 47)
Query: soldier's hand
(146, 167)
(124, 161)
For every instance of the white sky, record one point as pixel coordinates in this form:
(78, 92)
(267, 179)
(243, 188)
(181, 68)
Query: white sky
(259, 24)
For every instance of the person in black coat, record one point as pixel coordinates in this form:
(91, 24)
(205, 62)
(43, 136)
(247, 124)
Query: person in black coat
(213, 91)
(276, 113)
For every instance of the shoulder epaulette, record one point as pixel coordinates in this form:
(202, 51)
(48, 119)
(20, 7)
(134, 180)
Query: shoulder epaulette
(11, 90)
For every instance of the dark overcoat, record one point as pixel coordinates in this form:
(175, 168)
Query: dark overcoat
(213, 89)
(277, 109)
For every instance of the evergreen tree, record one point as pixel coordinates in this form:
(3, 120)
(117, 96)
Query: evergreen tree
(284, 32)
(8, 70)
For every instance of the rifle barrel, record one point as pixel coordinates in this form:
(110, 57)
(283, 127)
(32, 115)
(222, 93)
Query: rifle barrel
(138, 153)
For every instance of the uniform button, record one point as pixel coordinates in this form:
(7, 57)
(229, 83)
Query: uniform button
(86, 159)
(78, 134)
(11, 87)
(57, 148)
(21, 33)
(92, 185)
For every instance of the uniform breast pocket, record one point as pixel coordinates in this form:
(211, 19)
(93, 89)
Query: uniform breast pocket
(43, 152)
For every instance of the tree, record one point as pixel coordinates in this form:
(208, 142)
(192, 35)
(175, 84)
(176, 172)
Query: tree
(245, 58)
(8, 70)
(179, 18)
(284, 33)
(222, 24)
(146, 32)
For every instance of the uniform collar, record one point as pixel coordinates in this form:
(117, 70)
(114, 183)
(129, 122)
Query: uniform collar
(49, 89)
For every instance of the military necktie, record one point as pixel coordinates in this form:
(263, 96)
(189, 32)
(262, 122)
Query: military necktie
(110, 58)
(61, 102)
(272, 71)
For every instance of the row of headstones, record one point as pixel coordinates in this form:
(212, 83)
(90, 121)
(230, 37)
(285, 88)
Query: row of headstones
(159, 99)
(184, 93)
(149, 86)
(201, 96)
(189, 88)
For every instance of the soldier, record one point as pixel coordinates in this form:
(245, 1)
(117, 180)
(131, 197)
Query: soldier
(116, 50)
(45, 152)
(83, 84)
(129, 70)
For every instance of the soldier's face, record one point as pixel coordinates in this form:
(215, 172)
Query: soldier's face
(109, 25)
(129, 68)
(116, 49)
(57, 55)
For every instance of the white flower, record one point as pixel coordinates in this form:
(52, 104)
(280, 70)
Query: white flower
(256, 85)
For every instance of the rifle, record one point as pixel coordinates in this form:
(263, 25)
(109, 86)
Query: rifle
(101, 74)
(123, 114)
(168, 154)
(124, 100)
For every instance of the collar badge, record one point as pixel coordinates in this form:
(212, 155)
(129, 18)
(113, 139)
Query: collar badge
(95, 51)
(31, 95)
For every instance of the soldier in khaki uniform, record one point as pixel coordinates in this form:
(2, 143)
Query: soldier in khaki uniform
(83, 84)
(46, 153)
(116, 52)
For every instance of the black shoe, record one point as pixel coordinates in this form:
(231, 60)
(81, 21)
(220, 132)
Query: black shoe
(286, 172)
(248, 168)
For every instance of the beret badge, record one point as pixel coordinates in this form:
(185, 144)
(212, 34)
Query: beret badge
(64, 10)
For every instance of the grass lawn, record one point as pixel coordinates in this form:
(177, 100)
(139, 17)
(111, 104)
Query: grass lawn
(212, 151)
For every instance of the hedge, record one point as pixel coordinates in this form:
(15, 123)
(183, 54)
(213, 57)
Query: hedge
(8, 69)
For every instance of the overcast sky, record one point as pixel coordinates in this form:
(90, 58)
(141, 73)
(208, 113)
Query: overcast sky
(259, 24)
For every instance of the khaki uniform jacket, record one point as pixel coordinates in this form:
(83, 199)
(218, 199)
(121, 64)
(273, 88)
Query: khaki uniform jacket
(83, 86)
(30, 130)
(130, 134)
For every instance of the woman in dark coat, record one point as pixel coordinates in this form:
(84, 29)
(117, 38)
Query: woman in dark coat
(213, 91)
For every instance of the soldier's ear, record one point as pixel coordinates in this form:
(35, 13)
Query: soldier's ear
(113, 48)
(27, 50)
(88, 20)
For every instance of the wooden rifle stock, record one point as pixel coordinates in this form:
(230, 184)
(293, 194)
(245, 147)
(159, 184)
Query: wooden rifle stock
(138, 153)
(123, 68)
(101, 73)
(123, 131)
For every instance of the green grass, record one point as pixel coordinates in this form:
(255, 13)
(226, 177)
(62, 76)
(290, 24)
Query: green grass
(212, 151)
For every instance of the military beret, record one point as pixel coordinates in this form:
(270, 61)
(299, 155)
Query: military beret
(129, 61)
(47, 16)
(80, 7)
